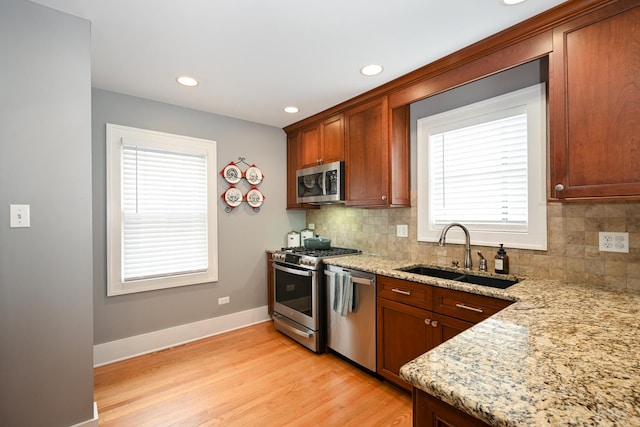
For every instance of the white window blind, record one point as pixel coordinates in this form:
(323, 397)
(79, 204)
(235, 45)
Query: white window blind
(483, 165)
(479, 172)
(165, 213)
(161, 227)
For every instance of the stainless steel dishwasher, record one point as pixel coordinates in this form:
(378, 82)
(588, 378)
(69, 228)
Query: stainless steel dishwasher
(351, 329)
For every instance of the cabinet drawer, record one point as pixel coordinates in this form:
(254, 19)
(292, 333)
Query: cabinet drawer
(411, 293)
(462, 305)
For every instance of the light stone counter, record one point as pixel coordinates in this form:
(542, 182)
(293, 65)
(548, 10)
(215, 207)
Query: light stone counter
(560, 355)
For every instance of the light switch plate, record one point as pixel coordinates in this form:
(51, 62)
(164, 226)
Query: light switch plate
(20, 216)
(402, 230)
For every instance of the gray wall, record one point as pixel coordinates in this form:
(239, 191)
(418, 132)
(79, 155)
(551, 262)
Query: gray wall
(244, 235)
(46, 334)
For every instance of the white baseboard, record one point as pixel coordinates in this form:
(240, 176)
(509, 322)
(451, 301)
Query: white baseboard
(126, 348)
(93, 422)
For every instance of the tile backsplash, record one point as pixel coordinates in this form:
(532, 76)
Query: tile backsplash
(572, 254)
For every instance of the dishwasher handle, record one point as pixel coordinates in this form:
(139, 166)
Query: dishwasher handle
(362, 281)
(354, 279)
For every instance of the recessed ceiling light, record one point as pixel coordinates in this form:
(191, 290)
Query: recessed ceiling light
(371, 70)
(187, 81)
(512, 2)
(291, 110)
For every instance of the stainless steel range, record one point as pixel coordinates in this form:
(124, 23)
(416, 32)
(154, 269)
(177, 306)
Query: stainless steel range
(300, 293)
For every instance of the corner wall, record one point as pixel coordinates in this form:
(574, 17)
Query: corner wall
(46, 320)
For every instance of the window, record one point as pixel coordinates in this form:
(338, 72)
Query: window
(161, 232)
(483, 165)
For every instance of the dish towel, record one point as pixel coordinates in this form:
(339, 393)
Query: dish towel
(345, 298)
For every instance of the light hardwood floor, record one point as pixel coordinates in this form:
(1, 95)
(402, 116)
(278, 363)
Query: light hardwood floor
(253, 376)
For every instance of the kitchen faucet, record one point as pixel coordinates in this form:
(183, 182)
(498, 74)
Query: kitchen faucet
(467, 245)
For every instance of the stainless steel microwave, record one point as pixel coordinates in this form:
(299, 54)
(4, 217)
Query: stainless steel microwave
(321, 184)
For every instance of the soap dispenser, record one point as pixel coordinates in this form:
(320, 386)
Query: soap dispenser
(502, 261)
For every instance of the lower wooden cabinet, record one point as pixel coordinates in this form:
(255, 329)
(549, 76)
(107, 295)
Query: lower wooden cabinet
(413, 318)
(430, 411)
(403, 335)
(406, 332)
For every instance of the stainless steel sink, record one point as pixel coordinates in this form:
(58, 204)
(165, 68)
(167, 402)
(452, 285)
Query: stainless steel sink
(461, 276)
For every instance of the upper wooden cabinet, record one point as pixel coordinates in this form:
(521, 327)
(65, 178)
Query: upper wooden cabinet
(323, 142)
(293, 164)
(594, 102)
(595, 105)
(377, 155)
(367, 154)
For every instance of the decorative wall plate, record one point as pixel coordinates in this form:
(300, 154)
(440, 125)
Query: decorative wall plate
(254, 197)
(231, 173)
(253, 175)
(233, 196)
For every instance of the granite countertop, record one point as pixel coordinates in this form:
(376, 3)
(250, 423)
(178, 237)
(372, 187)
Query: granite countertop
(562, 354)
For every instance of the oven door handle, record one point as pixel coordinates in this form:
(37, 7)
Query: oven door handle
(295, 271)
(283, 323)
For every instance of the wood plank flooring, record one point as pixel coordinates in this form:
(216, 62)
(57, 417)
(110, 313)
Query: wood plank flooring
(253, 376)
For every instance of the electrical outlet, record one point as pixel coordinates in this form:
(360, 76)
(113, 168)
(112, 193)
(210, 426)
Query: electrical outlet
(312, 226)
(223, 300)
(402, 230)
(614, 242)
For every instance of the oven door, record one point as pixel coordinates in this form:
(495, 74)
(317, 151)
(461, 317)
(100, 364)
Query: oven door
(296, 294)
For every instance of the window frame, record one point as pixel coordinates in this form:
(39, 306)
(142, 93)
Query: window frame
(115, 135)
(534, 100)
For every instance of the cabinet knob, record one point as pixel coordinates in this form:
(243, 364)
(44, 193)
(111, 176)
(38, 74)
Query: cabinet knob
(384, 197)
(434, 323)
(559, 187)
(427, 321)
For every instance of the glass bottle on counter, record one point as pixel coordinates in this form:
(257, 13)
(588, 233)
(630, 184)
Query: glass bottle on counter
(502, 261)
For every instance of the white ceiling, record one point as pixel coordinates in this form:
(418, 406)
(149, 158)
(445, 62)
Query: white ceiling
(254, 57)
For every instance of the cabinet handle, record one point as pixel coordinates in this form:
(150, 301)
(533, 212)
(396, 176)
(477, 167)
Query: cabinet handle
(401, 292)
(434, 323)
(384, 197)
(466, 307)
(427, 321)
(559, 187)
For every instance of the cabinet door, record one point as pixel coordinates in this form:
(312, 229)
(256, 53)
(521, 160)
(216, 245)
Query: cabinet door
(403, 334)
(293, 162)
(595, 105)
(310, 153)
(429, 411)
(367, 154)
(332, 138)
(445, 328)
